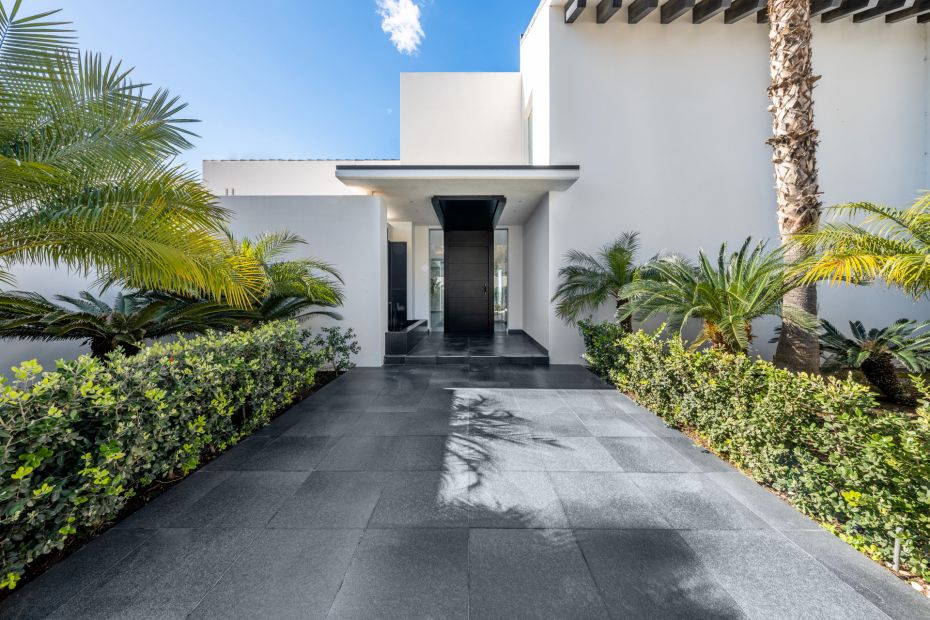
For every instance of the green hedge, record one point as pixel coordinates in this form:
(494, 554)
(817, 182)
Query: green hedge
(79, 442)
(822, 442)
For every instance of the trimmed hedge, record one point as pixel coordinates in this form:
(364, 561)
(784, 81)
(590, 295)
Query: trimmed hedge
(824, 443)
(79, 442)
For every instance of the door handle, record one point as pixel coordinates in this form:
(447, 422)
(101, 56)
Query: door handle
(485, 290)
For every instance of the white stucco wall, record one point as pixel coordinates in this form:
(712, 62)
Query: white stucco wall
(279, 177)
(534, 67)
(536, 274)
(669, 122)
(348, 231)
(461, 118)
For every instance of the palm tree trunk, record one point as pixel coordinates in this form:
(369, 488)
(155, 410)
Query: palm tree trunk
(794, 144)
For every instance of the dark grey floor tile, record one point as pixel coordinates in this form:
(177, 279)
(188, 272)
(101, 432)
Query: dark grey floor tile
(646, 454)
(405, 423)
(694, 501)
(422, 499)
(515, 499)
(605, 501)
(868, 578)
(592, 401)
(657, 426)
(419, 453)
(165, 577)
(283, 574)
(173, 502)
(704, 459)
(613, 424)
(345, 401)
(530, 574)
(775, 511)
(323, 424)
(557, 424)
(406, 573)
(539, 400)
(653, 574)
(237, 455)
(578, 454)
(244, 499)
(770, 577)
(359, 454)
(488, 448)
(85, 569)
(289, 453)
(390, 400)
(332, 499)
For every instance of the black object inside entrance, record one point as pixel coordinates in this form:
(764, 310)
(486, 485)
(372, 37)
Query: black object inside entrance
(468, 222)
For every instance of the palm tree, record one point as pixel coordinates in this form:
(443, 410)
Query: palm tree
(86, 173)
(727, 294)
(132, 318)
(794, 144)
(588, 281)
(875, 351)
(890, 244)
(298, 288)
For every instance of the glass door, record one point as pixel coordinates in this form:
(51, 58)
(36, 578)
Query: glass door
(436, 278)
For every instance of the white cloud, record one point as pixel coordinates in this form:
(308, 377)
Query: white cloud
(401, 20)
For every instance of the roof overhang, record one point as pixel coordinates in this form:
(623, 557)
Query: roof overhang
(408, 190)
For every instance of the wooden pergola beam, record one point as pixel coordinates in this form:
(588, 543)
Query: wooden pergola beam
(883, 7)
(705, 9)
(673, 9)
(640, 9)
(741, 9)
(847, 8)
(606, 9)
(918, 9)
(574, 9)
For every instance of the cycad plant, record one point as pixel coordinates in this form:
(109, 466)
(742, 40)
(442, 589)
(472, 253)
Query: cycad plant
(726, 294)
(130, 320)
(86, 173)
(876, 351)
(889, 244)
(298, 288)
(588, 281)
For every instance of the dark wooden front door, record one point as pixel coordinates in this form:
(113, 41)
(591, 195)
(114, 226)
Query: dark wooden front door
(468, 265)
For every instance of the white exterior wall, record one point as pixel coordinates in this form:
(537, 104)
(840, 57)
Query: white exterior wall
(348, 231)
(534, 67)
(279, 177)
(461, 118)
(536, 274)
(669, 122)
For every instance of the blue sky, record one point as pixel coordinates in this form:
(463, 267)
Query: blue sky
(294, 78)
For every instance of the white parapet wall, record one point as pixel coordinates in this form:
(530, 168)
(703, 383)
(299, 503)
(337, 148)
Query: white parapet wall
(280, 177)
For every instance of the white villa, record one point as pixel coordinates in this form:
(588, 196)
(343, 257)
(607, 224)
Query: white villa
(623, 117)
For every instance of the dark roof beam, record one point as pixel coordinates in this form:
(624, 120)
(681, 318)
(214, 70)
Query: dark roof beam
(673, 9)
(606, 9)
(574, 9)
(640, 9)
(705, 9)
(847, 8)
(822, 6)
(883, 7)
(917, 10)
(741, 9)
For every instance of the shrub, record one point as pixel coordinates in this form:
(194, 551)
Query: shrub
(337, 347)
(600, 345)
(821, 442)
(79, 442)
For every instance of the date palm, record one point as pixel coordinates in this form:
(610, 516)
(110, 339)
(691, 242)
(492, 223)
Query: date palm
(86, 174)
(890, 244)
(876, 351)
(131, 319)
(726, 294)
(794, 145)
(588, 281)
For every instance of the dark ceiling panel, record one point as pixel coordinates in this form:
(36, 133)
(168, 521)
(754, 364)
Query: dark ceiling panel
(468, 212)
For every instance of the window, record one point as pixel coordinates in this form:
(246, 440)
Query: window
(436, 279)
(500, 279)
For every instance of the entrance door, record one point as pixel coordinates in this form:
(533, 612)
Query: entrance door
(468, 270)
